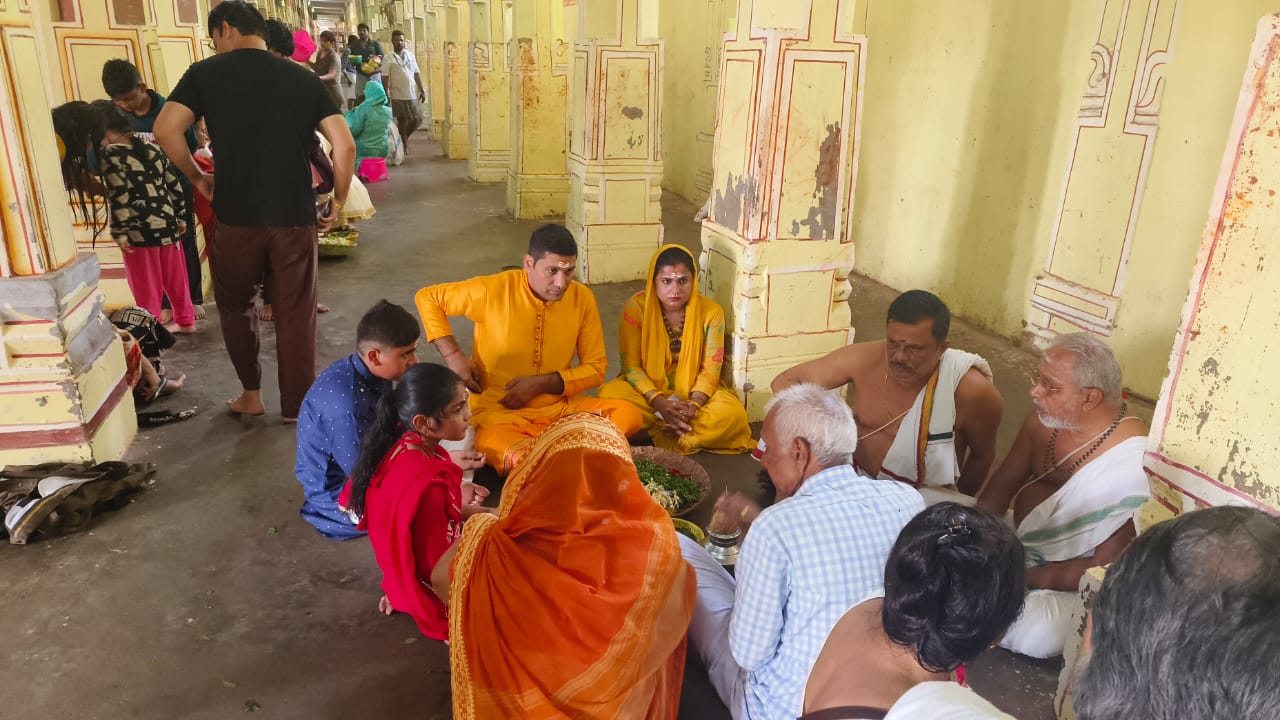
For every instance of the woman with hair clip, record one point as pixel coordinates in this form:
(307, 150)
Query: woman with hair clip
(952, 584)
(408, 492)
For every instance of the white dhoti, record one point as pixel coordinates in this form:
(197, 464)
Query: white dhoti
(709, 627)
(923, 453)
(1097, 501)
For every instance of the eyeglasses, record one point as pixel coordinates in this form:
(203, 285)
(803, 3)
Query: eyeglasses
(210, 45)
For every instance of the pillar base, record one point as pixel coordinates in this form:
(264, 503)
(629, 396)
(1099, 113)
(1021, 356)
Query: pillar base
(785, 302)
(615, 214)
(488, 166)
(62, 370)
(531, 197)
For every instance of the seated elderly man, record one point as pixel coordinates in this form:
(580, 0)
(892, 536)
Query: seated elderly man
(1074, 478)
(804, 561)
(1185, 622)
(927, 413)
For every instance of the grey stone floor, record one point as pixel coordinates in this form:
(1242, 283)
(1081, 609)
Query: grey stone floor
(208, 597)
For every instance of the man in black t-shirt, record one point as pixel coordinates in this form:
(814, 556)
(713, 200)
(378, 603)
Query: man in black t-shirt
(262, 113)
(364, 48)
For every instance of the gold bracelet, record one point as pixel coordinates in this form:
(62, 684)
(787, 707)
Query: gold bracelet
(337, 204)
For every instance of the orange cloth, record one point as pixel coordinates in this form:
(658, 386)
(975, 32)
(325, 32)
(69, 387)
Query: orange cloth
(517, 334)
(574, 600)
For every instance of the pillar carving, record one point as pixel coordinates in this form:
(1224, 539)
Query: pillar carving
(777, 244)
(457, 105)
(62, 389)
(490, 78)
(615, 144)
(540, 50)
(1115, 136)
(434, 77)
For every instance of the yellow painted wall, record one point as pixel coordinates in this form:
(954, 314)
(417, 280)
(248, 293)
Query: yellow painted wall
(693, 32)
(966, 135)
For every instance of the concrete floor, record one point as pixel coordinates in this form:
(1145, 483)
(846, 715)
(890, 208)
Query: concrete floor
(208, 597)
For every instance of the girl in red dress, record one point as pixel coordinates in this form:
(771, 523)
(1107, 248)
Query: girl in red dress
(409, 492)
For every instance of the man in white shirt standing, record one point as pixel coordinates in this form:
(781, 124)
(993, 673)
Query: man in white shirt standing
(403, 77)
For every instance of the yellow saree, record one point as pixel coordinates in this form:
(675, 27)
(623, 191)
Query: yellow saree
(648, 365)
(574, 600)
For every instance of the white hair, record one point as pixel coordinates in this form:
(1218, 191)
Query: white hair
(1096, 366)
(818, 416)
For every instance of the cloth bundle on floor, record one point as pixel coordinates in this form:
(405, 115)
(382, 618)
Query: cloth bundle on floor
(54, 498)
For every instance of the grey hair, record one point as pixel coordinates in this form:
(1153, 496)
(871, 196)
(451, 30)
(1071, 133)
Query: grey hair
(1096, 365)
(819, 417)
(1185, 621)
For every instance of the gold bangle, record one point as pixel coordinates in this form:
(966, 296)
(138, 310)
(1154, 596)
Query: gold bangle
(337, 204)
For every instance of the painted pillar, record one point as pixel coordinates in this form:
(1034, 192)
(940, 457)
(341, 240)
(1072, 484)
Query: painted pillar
(490, 91)
(457, 15)
(162, 40)
(615, 144)
(62, 391)
(1212, 439)
(1115, 138)
(538, 176)
(434, 68)
(777, 244)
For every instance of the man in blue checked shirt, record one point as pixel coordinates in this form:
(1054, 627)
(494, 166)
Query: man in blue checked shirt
(339, 407)
(807, 559)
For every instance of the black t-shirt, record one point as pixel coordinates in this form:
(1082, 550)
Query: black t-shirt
(262, 114)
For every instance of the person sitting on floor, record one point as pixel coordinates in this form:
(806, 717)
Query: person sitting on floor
(927, 413)
(1074, 478)
(1186, 626)
(529, 322)
(339, 407)
(573, 601)
(672, 343)
(369, 122)
(804, 561)
(952, 584)
(408, 492)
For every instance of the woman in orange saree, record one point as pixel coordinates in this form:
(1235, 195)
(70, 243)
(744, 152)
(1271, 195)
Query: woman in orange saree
(573, 601)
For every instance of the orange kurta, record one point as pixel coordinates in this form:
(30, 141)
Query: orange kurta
(518, 334)
(574, 601)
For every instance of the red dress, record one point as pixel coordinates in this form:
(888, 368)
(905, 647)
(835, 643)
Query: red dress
(413, 514)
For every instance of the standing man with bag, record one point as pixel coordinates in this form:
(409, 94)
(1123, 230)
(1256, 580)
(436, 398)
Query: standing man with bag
(404, 87)
(265, 204)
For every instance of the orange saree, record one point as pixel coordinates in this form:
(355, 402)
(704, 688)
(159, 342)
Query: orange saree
(574, 600)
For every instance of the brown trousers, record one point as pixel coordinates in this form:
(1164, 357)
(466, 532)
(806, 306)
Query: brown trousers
(240, 258)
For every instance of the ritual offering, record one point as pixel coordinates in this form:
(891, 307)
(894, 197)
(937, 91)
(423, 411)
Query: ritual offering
(338, 243)
(689, 530)
(723, 534)
(676, 482)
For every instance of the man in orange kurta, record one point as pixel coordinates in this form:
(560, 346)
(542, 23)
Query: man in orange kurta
(529, 323)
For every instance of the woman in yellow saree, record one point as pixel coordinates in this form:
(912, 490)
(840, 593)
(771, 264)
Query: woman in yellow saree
(671, 340)
(573, 601)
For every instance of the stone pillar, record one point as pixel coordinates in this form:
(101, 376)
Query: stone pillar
(434, 69)
(457, 15)
(1212, 439)
(490, 91)
(538, 177)
(615, 144)
(62, 389)
(777, 244)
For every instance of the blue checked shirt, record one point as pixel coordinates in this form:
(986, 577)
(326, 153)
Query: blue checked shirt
(804, 563)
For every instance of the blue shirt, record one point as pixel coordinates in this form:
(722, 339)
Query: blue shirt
(338, 408)
(805, 562)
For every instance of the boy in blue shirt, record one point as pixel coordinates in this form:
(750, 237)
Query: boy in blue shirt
(339, 407)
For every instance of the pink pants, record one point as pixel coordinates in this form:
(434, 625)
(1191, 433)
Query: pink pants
(153, 272)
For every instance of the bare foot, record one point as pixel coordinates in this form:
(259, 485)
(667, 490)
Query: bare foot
(384, 606)
(200, 313)
(166, 316)
(173, 385)
(177, 329)
(321, 308)
(247, 404)
(265, 313)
